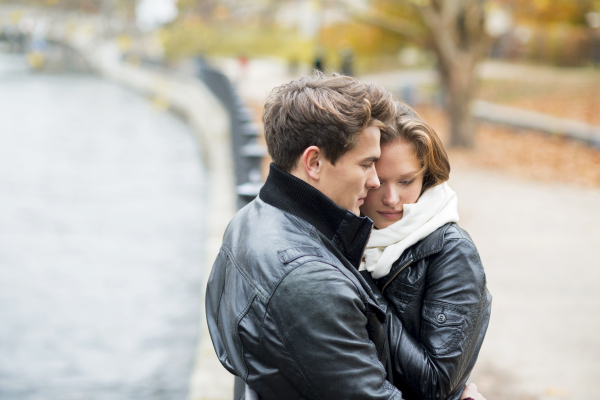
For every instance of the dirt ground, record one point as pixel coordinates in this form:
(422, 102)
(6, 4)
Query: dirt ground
(523, 153)
(572, 95)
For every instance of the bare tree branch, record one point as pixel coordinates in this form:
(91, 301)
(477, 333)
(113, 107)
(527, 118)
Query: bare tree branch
(458, 37)
(442, 31)
(400, 26)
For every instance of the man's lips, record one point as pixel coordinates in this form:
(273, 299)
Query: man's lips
(390, 214)
(361, 200)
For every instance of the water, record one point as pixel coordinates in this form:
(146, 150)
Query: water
(101, 226)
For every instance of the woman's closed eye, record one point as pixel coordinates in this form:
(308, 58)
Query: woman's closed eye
(407, 183)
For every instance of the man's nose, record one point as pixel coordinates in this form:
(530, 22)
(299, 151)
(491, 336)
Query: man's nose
(372, 180)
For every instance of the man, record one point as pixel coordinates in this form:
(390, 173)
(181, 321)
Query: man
(287, 309)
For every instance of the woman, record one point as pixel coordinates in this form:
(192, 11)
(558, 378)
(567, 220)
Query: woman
(425, 265)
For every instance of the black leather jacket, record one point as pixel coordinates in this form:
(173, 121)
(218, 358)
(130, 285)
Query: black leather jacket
(287, 309)
(438, 289)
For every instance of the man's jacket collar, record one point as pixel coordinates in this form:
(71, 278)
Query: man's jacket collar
(348, 232)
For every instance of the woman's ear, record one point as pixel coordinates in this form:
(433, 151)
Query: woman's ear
(312, 161)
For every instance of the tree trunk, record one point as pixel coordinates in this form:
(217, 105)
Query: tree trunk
(459, 40)
(458, 80)
(457, 34)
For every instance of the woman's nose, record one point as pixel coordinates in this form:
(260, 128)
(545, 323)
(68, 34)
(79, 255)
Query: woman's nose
(391, 197)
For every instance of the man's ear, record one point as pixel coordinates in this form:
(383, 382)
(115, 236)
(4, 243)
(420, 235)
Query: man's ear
(312, 162)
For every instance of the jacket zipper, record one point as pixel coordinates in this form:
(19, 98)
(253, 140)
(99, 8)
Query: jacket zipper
(395, 275)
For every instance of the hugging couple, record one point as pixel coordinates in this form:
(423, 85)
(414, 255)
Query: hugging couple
(348, 277)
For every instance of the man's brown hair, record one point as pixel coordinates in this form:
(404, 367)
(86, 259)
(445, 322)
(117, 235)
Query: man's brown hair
(428, 148)
(327, 111)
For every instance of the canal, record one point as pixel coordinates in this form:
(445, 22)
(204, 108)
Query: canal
(102, 204)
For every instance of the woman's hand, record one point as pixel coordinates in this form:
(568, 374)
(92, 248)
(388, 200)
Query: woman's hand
(471, 392)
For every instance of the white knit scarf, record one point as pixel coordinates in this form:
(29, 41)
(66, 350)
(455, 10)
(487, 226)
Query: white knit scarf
(436, 207)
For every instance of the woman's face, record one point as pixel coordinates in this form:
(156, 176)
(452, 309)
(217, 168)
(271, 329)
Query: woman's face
(399, 185)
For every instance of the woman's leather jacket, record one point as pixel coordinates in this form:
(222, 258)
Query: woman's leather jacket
(438, 289)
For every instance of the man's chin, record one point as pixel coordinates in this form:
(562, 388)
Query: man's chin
(355, 211)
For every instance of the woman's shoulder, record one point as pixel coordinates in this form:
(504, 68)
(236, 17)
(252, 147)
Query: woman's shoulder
(458, 249)
(448, 245)
(455, 274)
(454, 232)
(445, 238)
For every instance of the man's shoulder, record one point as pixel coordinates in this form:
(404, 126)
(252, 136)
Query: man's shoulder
(263, 220)
(266, 244)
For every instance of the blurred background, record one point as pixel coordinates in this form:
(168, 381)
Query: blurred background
(130, 133)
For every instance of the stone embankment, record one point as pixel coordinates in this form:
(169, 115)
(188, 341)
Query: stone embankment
(189, 98)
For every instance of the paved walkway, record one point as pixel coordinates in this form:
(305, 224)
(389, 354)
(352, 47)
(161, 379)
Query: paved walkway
(539, 245)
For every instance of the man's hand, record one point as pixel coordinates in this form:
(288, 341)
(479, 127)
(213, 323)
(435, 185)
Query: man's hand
(471, 391)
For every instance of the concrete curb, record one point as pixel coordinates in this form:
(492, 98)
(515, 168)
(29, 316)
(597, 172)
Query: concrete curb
(521, 118)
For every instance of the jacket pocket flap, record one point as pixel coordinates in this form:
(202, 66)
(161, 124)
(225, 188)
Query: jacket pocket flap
(441, 314)
(289, 255)
(442, 327)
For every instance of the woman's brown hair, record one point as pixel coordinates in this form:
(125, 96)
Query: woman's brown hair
(409, 126)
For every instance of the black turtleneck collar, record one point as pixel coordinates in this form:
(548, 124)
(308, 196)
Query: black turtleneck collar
(348, 232)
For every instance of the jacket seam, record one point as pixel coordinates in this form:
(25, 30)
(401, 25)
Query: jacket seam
(221, 294)
(374, 355)
(463, 236)
(461, 239)
(366, 339)
(439, 240)
(237, 332)
(243, 274)
(448, 346)
(268, 300)
(444, 240)
(289, 271)
(394, 389)
(292, 351)
(343, 269)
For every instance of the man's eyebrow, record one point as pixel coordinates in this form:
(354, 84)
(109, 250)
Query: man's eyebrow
(371, 159)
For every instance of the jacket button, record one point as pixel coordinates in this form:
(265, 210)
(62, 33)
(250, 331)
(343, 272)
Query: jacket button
(441, 317)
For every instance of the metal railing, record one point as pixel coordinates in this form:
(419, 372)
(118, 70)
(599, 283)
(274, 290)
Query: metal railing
(247, 150)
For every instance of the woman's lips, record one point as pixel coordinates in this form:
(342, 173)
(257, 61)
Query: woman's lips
(390, 214)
